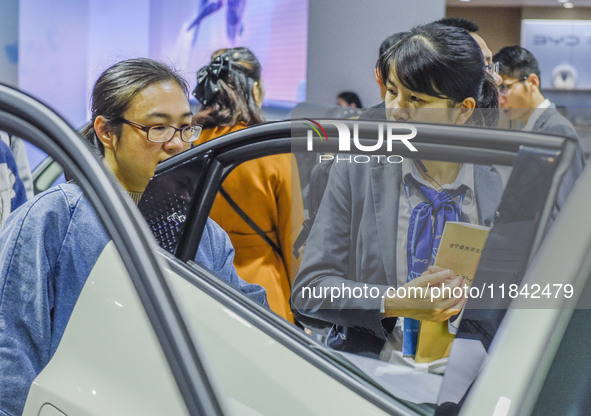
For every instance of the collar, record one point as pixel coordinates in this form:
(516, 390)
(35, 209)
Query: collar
(465, 176)
(535, 115)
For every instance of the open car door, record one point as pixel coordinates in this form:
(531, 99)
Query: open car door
(530, 169)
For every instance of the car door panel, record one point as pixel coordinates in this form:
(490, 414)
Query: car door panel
(436, 142)
(109, 360)
(530, 334)
(240, 353)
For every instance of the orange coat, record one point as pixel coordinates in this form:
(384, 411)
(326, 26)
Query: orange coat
(262, 188)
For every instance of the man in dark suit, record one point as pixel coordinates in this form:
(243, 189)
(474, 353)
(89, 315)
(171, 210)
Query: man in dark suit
(520, 99)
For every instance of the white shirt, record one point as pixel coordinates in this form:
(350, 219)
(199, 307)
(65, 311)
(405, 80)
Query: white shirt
(407, 202)
(410, 197)
(535, 115)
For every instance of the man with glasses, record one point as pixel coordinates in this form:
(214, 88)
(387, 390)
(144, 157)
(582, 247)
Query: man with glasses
(520, 99)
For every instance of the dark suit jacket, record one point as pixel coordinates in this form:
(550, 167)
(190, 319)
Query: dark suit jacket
(552, 122)
(353, 244)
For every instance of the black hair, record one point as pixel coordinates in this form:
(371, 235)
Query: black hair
(233, 101)
(351, 98)
(459, 22)
(118, 85)
(437, 60)
(517, 62)
(486, 113)
(390, 40)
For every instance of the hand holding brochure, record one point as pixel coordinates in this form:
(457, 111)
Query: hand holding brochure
(459, 250)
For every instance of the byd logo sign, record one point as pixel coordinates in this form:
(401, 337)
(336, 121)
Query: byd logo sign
(568, 40)
(386, 131)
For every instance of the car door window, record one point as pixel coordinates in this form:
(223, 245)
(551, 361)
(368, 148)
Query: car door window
(524, 171)
(259, 205)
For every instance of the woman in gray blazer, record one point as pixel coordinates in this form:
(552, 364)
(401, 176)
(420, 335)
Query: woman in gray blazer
(374, 229)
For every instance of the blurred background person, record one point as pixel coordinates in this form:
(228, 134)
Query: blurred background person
(12, 189)
(348, 99)
(472, 28)
(256, 205)
(17, 146)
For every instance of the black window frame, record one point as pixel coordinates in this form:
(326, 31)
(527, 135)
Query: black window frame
(494, 146)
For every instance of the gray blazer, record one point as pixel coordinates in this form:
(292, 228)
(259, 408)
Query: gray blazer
(352, 244)
(552, 122)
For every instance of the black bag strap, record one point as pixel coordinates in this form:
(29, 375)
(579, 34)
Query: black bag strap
(249, 221)
(318, 181)
(303, 235)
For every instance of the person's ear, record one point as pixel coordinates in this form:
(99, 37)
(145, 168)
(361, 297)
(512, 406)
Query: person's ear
(378, 78)
(466, 108)
(103, 132)
(376, 74)
(257, 93)
(534, 80)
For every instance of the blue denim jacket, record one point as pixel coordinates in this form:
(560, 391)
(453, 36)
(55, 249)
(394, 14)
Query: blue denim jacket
(47, 250)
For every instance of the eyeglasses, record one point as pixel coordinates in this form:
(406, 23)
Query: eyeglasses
(492, 68)
(504, 89)
(161, 133)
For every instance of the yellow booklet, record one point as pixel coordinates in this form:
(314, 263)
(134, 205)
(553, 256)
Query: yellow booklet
(459, 250)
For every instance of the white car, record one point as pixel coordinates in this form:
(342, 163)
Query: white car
(154, 333)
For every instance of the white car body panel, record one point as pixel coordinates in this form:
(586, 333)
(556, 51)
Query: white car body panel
(257, 371)
(109, 359)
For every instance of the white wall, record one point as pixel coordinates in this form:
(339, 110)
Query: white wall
(112, 37)
(9, 42)
(344, 37)
(52, 54)
(65, 45)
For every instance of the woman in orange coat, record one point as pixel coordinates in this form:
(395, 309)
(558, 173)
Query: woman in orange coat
(231, 93)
